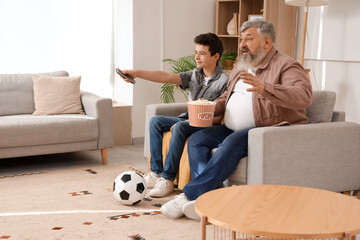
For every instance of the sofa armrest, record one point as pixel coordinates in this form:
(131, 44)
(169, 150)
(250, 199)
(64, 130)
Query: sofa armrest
(101, 109)
(338, 116)
(164, 109)
(321, 155)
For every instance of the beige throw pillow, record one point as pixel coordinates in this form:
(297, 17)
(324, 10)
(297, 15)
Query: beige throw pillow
(56, 95)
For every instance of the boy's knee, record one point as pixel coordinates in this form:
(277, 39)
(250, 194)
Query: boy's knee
(180, 127)
(154, 121)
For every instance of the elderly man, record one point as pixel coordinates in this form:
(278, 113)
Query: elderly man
(265, 88)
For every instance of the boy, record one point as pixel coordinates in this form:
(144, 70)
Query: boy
(207, 81)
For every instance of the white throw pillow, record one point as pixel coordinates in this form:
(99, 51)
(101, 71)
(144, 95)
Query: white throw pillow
(56, 95)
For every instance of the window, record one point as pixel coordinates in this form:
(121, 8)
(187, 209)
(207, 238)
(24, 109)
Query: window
(71, 35)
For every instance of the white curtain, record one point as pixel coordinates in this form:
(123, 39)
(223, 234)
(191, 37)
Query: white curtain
(332, 53)
(49, 35)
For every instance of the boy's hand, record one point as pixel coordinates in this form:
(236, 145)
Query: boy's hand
(131, 73)
(217, 119)
(172, 127)
(125, 76)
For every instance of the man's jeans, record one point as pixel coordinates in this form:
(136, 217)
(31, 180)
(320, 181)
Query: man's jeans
(181, 131)
(209, 172)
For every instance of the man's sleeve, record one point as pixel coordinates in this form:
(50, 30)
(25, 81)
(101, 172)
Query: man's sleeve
(294, 91)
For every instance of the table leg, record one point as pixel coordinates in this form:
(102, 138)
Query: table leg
(233, 233)
(203, 227)
(348, 236)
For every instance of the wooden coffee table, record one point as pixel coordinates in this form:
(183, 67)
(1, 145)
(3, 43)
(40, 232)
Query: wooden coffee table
(276, 211)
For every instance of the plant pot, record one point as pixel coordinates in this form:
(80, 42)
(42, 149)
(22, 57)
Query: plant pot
(229, 64)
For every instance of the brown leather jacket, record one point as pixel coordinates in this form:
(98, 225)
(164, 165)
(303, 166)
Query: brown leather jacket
(286, 95)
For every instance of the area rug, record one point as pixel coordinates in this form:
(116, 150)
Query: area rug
(79, 204)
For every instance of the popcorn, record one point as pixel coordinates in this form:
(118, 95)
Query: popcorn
(201, 113)
(201, 101)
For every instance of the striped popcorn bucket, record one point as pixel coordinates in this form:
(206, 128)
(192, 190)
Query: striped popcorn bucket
(201, 115)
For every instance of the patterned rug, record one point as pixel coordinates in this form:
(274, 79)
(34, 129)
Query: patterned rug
(79, 204)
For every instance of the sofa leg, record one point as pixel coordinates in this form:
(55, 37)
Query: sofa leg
(357, 194)
(104, 155)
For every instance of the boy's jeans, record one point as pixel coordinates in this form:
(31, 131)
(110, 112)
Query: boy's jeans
(182, 130)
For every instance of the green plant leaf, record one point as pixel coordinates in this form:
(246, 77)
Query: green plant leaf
(182, 64)
(167, 93)
(227, 55)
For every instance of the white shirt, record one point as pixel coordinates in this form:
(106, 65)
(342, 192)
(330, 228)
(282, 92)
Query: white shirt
(239, 112)
(206, 80)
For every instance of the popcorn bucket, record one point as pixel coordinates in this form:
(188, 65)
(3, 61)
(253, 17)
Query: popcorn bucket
(201, 113)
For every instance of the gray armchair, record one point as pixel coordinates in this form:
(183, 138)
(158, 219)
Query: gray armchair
(323, 154)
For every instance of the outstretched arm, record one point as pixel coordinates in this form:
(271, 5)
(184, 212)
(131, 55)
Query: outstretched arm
(155, 76)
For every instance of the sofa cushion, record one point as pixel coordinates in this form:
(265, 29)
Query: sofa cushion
(56, 95)
(16, 93)
(239, 176)
(322, 107)
(29, 130)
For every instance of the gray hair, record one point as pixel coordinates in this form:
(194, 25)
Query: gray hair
(264, 28)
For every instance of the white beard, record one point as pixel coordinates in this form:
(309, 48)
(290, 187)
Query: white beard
(251, 60)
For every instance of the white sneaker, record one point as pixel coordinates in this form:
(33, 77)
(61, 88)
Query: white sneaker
(151, 179)
(174, 208)
(163, 187)
(189, 210)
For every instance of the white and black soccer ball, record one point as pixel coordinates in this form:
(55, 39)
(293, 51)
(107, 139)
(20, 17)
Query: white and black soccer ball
(129, 188)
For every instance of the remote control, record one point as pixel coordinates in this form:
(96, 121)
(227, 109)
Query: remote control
(128, 77)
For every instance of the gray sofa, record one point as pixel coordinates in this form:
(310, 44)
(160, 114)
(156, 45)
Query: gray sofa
(323, 154)
(23, 134)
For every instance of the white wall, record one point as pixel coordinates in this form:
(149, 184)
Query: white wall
(123, 49)
(183, 20)
(164, 29)
(333, 54)
(147, 55)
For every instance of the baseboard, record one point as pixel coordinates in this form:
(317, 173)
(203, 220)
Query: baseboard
(138, 140)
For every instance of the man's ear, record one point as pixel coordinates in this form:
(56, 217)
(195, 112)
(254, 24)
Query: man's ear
(216, 56)
(268, 43)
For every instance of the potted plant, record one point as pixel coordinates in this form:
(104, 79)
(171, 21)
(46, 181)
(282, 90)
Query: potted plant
(182, 64)
(228, 59)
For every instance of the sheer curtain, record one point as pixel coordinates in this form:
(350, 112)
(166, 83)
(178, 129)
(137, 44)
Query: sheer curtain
(73, 35)
(333, 54)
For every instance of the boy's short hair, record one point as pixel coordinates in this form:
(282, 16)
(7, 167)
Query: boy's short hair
(211, 40)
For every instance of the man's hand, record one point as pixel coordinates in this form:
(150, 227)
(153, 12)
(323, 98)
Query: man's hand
(258, 84)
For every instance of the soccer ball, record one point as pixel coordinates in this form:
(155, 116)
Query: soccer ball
(129, 188)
